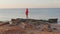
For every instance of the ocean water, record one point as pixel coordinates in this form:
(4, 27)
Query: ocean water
(34, 13)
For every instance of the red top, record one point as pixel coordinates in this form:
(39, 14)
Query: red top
(26, 11)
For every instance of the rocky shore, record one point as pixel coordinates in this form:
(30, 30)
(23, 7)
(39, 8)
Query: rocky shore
(29, 26)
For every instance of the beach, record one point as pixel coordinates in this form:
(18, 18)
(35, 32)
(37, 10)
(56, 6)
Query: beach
(18, 29)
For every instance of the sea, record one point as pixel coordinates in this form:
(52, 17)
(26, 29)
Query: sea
(34, 13)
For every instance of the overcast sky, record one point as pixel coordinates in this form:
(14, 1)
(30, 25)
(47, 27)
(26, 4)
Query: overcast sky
(30, 3)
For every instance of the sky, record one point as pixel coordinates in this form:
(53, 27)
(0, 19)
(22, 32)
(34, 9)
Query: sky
(29, 3)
